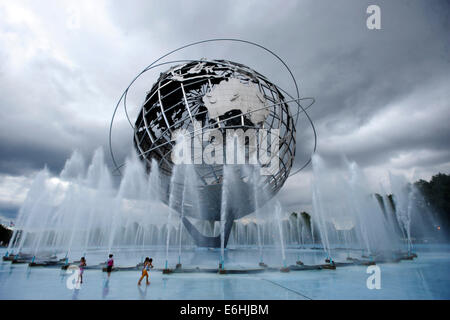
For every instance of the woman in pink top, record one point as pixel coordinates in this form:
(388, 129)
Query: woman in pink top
(109, 264)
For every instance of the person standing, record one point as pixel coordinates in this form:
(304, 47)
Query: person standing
(81, 266)
(109, 265)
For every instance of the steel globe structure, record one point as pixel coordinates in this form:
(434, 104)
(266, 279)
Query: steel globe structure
(195, 96)
(214, 95)
(177, 100)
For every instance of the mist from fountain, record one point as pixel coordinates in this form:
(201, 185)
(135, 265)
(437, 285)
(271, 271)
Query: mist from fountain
(84, 207)
(171, 209)
(345, 207)
(280, 230)
(347, 212)
(256, 181)
(180, 225)
(81, 209)
(411, 215)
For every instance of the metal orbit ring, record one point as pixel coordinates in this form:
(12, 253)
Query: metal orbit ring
(154, 65)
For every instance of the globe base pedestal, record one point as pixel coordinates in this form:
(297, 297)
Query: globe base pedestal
(205, 241)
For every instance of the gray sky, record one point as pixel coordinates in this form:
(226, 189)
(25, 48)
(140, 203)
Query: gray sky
(382, 96)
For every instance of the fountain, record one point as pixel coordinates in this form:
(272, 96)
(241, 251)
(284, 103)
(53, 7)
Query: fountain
(84, 212)
(349, 214)
(78, 210)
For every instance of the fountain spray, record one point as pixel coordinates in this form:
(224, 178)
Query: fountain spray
(223, 214)
(280, 229)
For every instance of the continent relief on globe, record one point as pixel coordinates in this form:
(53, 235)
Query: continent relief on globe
(232, 94)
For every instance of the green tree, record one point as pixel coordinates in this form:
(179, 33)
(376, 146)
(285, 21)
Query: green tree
(436, 194)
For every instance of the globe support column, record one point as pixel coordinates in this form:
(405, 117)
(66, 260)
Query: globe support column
(206, 241)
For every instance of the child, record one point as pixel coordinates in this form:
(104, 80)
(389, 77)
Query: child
(109, 264)
(147, 265)
(82, 265)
